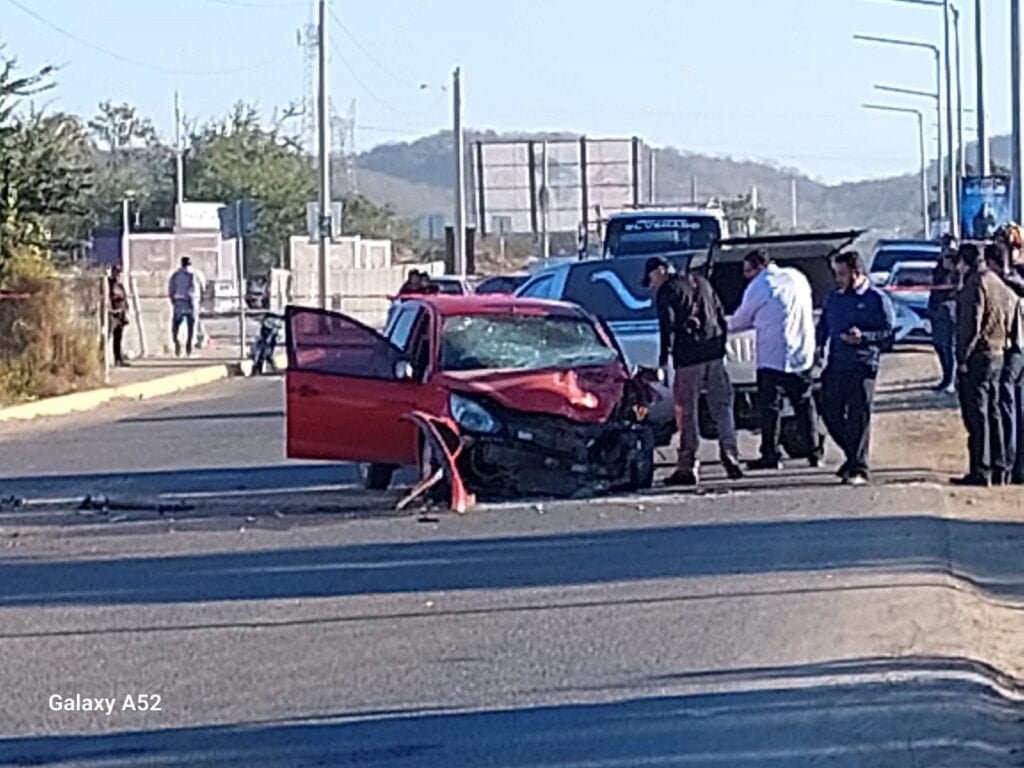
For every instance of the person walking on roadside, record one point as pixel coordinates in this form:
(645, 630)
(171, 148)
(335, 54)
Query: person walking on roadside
(185, 289)
(779, 306)
(117, 298)
(942, 311)
(693, 332)
(983, 325)
(998, 257)
(855, 327)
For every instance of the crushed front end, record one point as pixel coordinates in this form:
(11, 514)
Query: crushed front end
(508, 453)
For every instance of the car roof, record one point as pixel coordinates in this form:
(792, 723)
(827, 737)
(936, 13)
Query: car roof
(713, 213)
(495, 304)
(908, 245)
(899, 266)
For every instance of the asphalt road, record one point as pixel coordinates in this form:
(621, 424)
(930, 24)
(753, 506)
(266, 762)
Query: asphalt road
(787, 623)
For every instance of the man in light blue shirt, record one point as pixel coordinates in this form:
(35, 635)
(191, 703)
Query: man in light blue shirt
(779, 306)
(185, 290)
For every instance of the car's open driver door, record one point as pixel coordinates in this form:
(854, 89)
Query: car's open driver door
(346, 397)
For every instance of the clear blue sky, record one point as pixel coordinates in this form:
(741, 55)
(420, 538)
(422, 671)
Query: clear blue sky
(764, 79)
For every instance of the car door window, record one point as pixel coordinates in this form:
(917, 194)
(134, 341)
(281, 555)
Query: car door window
(401, 327)
(539, 288)
(417, 350)
(329, 343)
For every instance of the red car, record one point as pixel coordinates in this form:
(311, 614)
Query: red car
(496, 395)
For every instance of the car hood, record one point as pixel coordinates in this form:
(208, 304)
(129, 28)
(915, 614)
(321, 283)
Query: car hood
(586, 395)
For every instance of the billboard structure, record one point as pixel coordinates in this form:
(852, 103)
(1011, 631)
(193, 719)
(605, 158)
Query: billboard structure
(554, 185)
(984, 205)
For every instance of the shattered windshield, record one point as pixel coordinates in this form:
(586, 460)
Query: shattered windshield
(521, 342)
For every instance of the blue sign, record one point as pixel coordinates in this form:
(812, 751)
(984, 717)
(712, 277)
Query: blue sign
(984, 206)
(229, 215)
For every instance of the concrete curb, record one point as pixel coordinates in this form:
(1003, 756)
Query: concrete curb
(143, 390)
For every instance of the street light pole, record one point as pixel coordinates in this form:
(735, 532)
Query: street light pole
(942, 191)
(1017, 150)
(925, 216)
(979, 44)
(460, 174)
(961, 152)
(324, 148)
(952, 204)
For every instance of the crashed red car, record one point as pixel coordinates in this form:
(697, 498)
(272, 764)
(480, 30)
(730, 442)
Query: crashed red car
(503, 396)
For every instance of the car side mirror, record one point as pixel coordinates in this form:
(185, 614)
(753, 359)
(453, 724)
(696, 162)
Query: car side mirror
(404, 371)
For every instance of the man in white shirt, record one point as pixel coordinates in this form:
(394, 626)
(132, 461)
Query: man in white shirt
(185, 290)
(779, 306)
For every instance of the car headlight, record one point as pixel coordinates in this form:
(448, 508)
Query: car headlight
(472, 416)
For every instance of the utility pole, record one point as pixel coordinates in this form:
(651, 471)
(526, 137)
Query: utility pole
(693, 190)
(792, 198)
(460, 174)
(952, 204)
(545, 203)
(240, 266)
(324, 133)
(925, 216)
(979, 44)
(961, 151)
(652, 179)
(1017, 150)
(179, 160)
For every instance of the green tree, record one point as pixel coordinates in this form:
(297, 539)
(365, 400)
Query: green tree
(44, 168)
(129, 157)
(239, 158)
(365, 218)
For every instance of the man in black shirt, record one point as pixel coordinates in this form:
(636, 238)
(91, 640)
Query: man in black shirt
(693, 331)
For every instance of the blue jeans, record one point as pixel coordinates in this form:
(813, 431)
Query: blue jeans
(1011, 410)
(944, 340)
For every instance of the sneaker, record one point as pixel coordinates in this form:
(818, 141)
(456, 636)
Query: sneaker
(858, 478)
(971, 481)
(681, 478)
(732, 469)
(762, 463)
(816, 462)
(177, 349)
(843, 473)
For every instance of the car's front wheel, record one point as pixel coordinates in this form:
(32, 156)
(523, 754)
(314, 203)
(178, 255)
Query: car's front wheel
(377, 477)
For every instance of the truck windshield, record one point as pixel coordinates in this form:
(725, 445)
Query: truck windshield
(521, 342)
(660, 234)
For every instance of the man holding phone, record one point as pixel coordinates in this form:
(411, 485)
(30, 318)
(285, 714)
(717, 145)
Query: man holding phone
(856, 325)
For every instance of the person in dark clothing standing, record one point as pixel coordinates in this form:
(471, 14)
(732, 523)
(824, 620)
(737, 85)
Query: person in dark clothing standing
(998, 257)
(117, 298)
(856, 326)
(693, 331)
(942, 311)
(983, 325)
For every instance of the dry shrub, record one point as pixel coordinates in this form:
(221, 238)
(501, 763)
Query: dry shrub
(43, 350)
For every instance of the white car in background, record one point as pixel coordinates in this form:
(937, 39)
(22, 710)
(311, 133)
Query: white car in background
(909, 285)
(889, 253)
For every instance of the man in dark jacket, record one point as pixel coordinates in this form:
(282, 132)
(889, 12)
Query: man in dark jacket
(693, 331)
(998, 257)
(983, 326)
(856, 325)
(942, 312)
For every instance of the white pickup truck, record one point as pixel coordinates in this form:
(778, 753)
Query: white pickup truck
(611, 290)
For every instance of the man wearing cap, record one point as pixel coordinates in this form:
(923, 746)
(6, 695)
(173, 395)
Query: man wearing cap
(693, 331)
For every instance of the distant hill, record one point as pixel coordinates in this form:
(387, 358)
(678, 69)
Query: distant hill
(415, 178)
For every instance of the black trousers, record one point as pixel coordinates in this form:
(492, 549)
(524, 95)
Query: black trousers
(846, 399)
(117, 342)
(979, 404)
(772, 385)
(1011, 407)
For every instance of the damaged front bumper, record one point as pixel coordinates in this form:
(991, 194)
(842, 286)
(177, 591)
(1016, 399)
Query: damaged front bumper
(534, 455)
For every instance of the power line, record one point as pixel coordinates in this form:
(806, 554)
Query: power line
(369, 91)
(136, 62)
(370, 56)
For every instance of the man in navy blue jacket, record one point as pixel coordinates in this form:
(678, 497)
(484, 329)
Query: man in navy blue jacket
(856, 323)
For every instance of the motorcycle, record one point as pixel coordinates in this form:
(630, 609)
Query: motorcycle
(265, 343)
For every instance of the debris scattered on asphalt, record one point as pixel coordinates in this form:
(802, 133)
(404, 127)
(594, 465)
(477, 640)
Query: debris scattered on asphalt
(427, 519)
(250, 519)
(12, 502)
(118, 518)
(100, 503)
(429, 604)
(538, 508)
